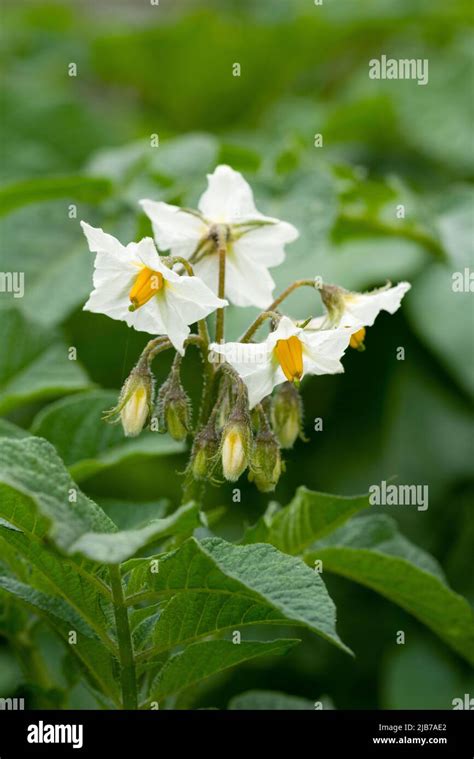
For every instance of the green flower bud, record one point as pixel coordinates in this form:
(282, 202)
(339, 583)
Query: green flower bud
(287, 414)
(204, 453)
(173, 408)
(178, 418)
(135, 401)
(266, 464)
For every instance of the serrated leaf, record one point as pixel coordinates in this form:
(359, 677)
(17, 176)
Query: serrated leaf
(202, 660)
(214, 586)
(369, 550)
(308, 517)
(33, 365)
(87, 443)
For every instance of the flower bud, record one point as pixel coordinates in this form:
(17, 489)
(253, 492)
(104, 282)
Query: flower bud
(235, 448)
(286, 414)
(135, 401)
(266, 464)
(173, 407)
(177, 415)
(204, 453)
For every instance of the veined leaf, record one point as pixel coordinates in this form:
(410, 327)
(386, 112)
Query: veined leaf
(201, 660)
(308, 517)
(120, 546)
(80, 584)
(53, 607)
(98, 665)
(32, 365)
(214, 586)
(41, 497)
(86, 442)
(370, 551)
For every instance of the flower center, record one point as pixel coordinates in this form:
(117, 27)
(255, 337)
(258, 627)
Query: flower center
(357, 339)
(145, 287)
(290, 356)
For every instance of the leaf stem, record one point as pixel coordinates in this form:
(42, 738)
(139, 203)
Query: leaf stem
(127, 661)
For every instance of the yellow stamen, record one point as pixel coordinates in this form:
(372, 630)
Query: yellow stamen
(290, 356)
(357, 339)
(145, 287)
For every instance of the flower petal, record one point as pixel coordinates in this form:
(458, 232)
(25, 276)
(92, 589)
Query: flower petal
(323, 350)
(193, 299)
(174, 324)
(254, 364)
(147, 318)
(363, 308)
(228, 198)
(266, 245)
(174, 229)
(246, 282)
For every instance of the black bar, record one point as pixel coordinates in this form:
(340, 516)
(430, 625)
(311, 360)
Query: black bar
(314, 733)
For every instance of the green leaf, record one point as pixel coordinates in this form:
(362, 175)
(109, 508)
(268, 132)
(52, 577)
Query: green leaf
(308, 517)
(214, 586)
(120, 546)
(369, 550)
(43, 490)
(33, 365)
(267, 700)
(201, 660)
(86, 442)
(8, 429)
(98, 665)
(78, 584)
(73, 188)
(37, 496)
(53, 607)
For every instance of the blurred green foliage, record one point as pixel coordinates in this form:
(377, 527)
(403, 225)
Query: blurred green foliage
(144, 69)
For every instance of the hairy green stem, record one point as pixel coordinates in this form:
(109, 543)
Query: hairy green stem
(124, 638)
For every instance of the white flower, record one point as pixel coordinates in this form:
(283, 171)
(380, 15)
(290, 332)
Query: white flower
(227, 204)
(288, 353)
(348, 309)
(131, 283)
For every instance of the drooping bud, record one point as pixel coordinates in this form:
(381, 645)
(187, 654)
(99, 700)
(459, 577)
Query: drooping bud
(236, 444)
(287, 414)
(357, 339)
(266, 464)
(135, 400)
(204, 453)
(173, 406)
